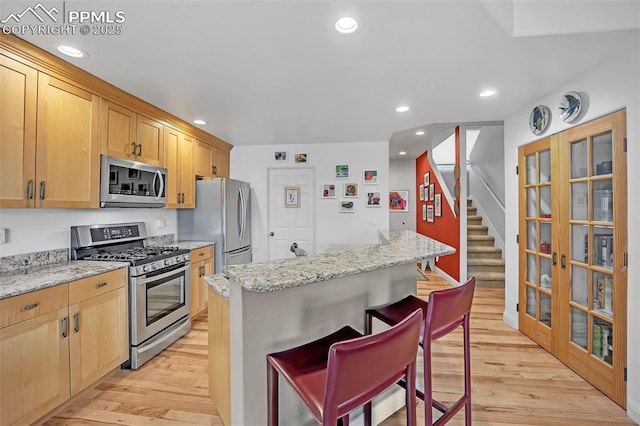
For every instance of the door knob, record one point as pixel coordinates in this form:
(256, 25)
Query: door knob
(271, 234)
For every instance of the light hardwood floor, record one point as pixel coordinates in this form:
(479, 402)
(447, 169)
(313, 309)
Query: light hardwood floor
(514, 381)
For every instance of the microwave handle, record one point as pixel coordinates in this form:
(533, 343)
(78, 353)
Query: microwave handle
(158, 175)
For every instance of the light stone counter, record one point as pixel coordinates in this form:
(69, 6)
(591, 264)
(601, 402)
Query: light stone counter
(220, 283)
(38, 277)
(398, 248)
(193, 245)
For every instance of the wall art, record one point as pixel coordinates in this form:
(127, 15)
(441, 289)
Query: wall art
(430, 213)
(328, 190)
(421, 192)
(432, 191)
(292, 196)
(438, 204)
(539, 119)
(280, 155)
(301, 158)
(370, 177)
(373, 199)
(347, 206)
(351, 189)
(342, 171)
(570, 106)
(424, 212)
(399, 201)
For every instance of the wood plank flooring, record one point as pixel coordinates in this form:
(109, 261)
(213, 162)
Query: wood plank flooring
(514, 381)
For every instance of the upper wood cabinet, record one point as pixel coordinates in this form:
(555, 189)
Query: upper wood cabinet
(54, 161)
(179, 163)
(210, 161)
(126, 134)
(18, 98)
(573, 249)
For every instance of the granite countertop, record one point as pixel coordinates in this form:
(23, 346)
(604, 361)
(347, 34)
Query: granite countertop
(193, 245)
(220, 283)
(35, 278)
(396, 248)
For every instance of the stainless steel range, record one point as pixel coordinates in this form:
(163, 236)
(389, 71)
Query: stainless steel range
(159, 283)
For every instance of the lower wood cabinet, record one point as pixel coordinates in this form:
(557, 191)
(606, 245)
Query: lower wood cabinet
(57, 341)
(201, 265)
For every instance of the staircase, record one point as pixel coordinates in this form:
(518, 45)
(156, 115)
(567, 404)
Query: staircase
(484, 261)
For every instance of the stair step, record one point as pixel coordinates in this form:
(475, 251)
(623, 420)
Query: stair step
(492, 262)
(475, 266)
(474, 218)
(483, 252)
(480, 240)
(469, 202)
(477, 229)
(472, 211)
(489, 279)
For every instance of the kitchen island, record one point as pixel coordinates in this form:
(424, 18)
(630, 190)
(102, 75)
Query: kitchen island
(270, 306)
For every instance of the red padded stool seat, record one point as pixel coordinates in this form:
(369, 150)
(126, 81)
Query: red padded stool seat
(445, 311)
(345, 370)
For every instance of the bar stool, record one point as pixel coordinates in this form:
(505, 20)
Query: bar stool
(342, 371)
(445, 311)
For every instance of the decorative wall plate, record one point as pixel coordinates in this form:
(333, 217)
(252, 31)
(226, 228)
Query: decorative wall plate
(570, 106)
(539, 119)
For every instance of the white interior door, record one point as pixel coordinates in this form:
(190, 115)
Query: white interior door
(289, 224)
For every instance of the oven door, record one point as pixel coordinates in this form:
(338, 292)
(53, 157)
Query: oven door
(158, 300)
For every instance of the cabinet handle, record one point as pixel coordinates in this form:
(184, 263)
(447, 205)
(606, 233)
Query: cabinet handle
(183, 198)
(202, 271)
(76, 322)
(554, 258)
(562, 261)
(30, 189)
(64, 325)
(29, 307)
(133, 148)
(201, 254)
(100, 285)
(42, 188)
(215, 170)
(139, 150)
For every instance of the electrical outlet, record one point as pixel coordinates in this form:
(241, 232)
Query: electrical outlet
(3, 235)
(161, 223)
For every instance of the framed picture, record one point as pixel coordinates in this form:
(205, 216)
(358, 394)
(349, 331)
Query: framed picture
(438, 204)
(280, 155)
(429, 213)
(424, 212)
(421, 192)
(301, 158)
(432, 191)
(342, 171)
(373, 199)
(328, 190)
(370, 177)
(426, 179)
(134, 174)
(426, 193)
(399, 201)
(347, 206)
(351, 189)
(292, 196)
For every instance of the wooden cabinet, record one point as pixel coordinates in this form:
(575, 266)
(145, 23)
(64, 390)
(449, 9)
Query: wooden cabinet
(201, 265)
(210, 161)
(179, 163)
(51, 350)
(573, 245)
(18, 98)
(98, 330)
(220, 355)
(126, 134)
(52, 161)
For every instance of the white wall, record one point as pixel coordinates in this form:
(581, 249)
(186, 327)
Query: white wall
(610, 87)
(402, 175)
(488, 161)
(31, 230)
(252, 163)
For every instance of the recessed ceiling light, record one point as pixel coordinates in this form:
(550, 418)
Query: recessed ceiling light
(72, 51)
(420, 133)
(346, 25)
(198, 121)
(402, 108)
(402, 153)
(488, 93)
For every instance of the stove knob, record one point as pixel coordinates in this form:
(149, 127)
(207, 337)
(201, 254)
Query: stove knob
(146, 268)
(167, 262)
(154, 266)
(179, 259)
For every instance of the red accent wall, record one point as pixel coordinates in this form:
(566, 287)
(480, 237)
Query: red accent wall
(445, 229)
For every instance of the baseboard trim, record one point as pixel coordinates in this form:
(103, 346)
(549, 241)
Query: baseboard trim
(510, 320)
(633, 410)
(447, 277)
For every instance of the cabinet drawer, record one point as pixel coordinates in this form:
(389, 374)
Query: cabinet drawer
(201, 253)
(31, 305)
(94, 286)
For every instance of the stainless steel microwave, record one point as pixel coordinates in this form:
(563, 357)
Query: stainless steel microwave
(126, 183)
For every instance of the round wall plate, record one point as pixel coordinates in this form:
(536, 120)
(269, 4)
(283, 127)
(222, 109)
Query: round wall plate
(539, 119)
(570, 106)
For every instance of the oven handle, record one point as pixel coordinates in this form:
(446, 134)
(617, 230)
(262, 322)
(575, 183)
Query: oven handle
(143, 279)
(158, 175)
(160, 341)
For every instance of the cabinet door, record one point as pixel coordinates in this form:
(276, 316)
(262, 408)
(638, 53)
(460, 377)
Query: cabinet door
(18, 96)
(149, 139)
(34, 367)
(594, 244)
(538, 251)
(196, 296)
(220, 163)
(187, 178)
(117, 130)
(178, 160)
(67, 148)
(203, 160)
(99, 340)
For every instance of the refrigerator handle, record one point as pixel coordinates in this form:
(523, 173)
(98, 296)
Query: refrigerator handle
(243, 211)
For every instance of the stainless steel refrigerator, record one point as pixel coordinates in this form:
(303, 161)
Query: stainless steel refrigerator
(222, 215)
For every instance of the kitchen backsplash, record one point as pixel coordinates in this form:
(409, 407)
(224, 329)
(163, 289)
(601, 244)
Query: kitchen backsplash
(160, 240)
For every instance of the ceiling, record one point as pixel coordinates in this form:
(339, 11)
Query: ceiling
(277, 72)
